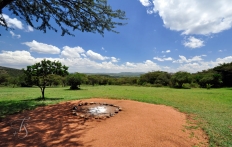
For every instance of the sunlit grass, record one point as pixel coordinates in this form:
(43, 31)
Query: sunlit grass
(213, 107)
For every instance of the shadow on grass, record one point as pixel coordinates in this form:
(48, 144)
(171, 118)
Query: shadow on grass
(12, 107)
(46, 99)
(75, 89)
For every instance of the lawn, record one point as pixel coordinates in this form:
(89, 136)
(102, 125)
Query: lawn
(212, 108)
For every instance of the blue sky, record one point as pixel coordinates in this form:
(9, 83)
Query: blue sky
(170, 35)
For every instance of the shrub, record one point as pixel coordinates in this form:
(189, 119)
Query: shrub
(186, 86)
(208, 86)
(194, 85)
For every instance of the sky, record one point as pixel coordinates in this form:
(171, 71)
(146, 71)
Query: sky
(160, 35)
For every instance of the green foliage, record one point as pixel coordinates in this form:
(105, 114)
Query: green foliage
(75, 80)
(186, 86)
(155, 77)
(194, 85)
(225, 70)
(14, 81)
(208, 86)
(42, 72)
(83, 15)
(4, 78)
(179, 78)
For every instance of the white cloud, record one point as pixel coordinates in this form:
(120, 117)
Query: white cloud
(95, 56)
(14, 35)
(29, 29)
(75, 52)
(193, 42)
(42, 47)
(113, 59)
(167, 51)
(14, 23)
(145, 2)
(163, 59)
(194, 16)
(21, 59)
(15, 58)
(183, 59)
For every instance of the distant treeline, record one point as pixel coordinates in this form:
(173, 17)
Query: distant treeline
(220, 76)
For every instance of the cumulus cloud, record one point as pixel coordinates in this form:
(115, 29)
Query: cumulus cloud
(193, 42)
(113, 59)
(72, 52)
(95, 56)
(163, 59)
(12, 22)
(42, 47)
(194, 16)
(15, 58)
(145, 2)
(183, 59)
(21, 59)
(14, 35)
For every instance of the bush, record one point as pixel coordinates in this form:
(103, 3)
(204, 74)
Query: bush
(208, 86)
(186, 86)
(195, 85)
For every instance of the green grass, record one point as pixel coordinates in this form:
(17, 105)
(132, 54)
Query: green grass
(213, 108)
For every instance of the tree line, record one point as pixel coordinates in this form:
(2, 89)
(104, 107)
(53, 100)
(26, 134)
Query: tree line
(220, 76)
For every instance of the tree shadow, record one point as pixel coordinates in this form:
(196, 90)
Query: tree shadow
(75, 89)
(41, 99)
(53, 125)
(12, 107)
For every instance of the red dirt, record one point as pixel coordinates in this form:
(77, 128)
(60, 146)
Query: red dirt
(138, 125)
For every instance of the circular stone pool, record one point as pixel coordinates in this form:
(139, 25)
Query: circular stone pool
(95, 110)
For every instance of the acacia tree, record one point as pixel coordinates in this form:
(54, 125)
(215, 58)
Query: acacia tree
(83, 15)
(41, 71)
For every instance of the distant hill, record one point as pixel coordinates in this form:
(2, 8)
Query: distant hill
(10, 71)
(121, 74)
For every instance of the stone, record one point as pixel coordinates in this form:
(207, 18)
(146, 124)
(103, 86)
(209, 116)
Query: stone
(112, 114)
(116, 110)
(120, 109)
(75, 108)
(74, 113)
(82, 116)
(86, 103)
(92, 103)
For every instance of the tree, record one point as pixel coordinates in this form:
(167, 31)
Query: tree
(83, 15)
(179, 78)
(4, 77)
(41, 71)
(75, 80)
(14, 81)
(225, 70)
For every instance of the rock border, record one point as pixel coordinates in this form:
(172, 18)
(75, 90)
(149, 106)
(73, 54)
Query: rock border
(83, 113)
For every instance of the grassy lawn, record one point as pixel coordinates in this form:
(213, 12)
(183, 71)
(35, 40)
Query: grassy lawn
(213, 108)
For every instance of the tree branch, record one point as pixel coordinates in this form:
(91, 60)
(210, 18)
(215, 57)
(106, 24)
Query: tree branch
(4, 3)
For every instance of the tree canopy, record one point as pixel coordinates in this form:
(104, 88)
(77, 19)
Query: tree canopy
(41, 72)
(84, 15)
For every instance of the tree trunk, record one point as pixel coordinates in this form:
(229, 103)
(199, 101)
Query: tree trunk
(42, 91)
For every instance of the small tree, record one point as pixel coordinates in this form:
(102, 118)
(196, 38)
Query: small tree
(41, 71)
(75, 80)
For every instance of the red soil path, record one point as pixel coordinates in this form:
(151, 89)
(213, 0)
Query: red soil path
(138, 125)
